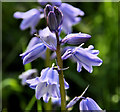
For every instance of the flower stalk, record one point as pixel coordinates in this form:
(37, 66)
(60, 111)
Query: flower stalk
(61, 77)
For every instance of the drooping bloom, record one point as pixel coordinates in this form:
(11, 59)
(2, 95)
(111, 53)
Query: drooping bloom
(30, 19)
(28, 75)
(70, 16)
(47, 85)
(54, 2)
(76, 38)
(88, 104)
(37, 46)
(35, 52)
(85, 57)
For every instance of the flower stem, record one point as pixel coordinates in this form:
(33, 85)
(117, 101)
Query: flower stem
(61, 77)
(48, 106)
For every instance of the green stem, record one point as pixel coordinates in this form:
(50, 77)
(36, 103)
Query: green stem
(30, 104)
(48, 106)
(39, 107)
(61, 77)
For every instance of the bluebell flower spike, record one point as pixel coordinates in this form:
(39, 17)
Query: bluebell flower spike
(85, 57)
(76, 38)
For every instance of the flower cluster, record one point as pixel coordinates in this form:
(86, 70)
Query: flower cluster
(51, 83)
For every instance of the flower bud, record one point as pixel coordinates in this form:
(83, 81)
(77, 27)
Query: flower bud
(47, 9)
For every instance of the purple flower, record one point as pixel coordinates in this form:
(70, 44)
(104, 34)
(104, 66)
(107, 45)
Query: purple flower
(85, 57)
(28, 75)
(54, 18)
(48, 38)
(35, 52)
(54, 2)
(88, 104)
(70, 18)
(30, 19)
(76, 38)
(47, 85)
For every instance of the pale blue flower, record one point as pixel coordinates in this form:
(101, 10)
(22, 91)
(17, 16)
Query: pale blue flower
(70, 16)
(37, 46)
(88, 104)
(47, 85)
(35, 52)
(54, 2)
(85, 57)
(76, 38)
(30, 19)
(28, 75)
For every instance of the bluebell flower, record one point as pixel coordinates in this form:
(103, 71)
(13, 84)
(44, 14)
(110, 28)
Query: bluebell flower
(76, 38)
(28, 75)
(53, 2)
(35, 52)
(37, 46)
(70, 16)
(30, 19)
(47, 85)
(48, 38)
(88, 104)
(85, 57)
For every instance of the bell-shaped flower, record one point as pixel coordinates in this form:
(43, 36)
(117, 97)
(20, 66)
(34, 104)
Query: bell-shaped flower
(70, 16)
(30, 19)
(28, 75)
(48, 38)
(47, 85)
(53, 2)
(35, 52)
(76, 38)
(85, 57)
(88, 104)
(54, 18)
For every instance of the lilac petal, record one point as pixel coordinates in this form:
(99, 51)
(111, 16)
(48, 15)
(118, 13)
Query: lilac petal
(79, 67)
(25, 15)
(55, 92)
(30, 22)
(72, 102)
(48, 38)
(69, 9)
(54, 2)
(88, 68)
(33, 53)
(76, 38)
(67, 54)
(33, 41)
(43, 77)
(83, 106)
(46, 97)
(40, 90)
(33, 82)
(92, 105)
(66, 84)
(52, 21)
(53, 76)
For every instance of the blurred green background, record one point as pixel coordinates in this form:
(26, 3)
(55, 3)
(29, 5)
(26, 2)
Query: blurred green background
(100, 21)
